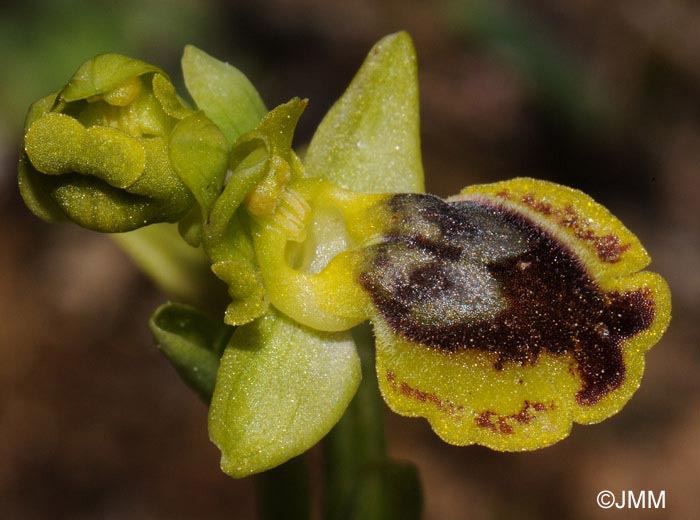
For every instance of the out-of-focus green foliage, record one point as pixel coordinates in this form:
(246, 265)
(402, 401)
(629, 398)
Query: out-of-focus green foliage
(42, 42)
(552, 73)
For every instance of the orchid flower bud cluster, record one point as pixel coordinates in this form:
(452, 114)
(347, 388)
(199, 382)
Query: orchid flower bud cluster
(502, 315)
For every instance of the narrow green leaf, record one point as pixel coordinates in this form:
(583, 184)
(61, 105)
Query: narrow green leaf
(192, 342)
(280, 388)
(370, 139)
(224, 93)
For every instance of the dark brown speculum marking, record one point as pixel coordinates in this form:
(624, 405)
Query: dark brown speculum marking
(474, 275)
(504, 423)
(423, 396)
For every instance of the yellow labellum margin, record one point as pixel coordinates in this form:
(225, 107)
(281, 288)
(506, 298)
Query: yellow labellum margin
(549, 328)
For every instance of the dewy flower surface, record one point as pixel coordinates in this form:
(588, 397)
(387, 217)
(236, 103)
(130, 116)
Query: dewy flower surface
(502, 315)
(506, 313)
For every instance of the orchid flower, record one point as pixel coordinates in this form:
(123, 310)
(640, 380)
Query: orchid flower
(502, 315)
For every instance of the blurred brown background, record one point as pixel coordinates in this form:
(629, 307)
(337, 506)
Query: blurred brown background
(603, 96)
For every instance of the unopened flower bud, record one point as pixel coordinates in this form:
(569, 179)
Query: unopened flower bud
(97, 152)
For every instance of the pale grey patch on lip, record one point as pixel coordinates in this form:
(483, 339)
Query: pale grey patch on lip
(433, 263)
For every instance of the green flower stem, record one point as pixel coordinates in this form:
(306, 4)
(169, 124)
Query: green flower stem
(356, 446)
(284, 491)
(181, 271)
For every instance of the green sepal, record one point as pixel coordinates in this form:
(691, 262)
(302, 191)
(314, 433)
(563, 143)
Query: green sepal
(224, 93)
(102, 74)
(39, 108)
(280, 388)
(199, 155)
(35, 190)
(370, 139)
(192, 342)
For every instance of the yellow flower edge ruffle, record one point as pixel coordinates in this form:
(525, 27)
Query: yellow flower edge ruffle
(481, 396)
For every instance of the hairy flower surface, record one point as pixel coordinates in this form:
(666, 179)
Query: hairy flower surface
(510, 311)
(502, 315)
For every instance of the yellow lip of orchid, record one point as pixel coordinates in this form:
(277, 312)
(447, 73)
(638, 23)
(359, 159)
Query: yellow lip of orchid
(521, 310)
(501, 315)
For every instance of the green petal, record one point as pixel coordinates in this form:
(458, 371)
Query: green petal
(229, 245)
(192, 342)
(248, 301)
(224, 93)
(258, 155)
(281, 387)
(262, 163)
(370, 139)
(165, 93)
